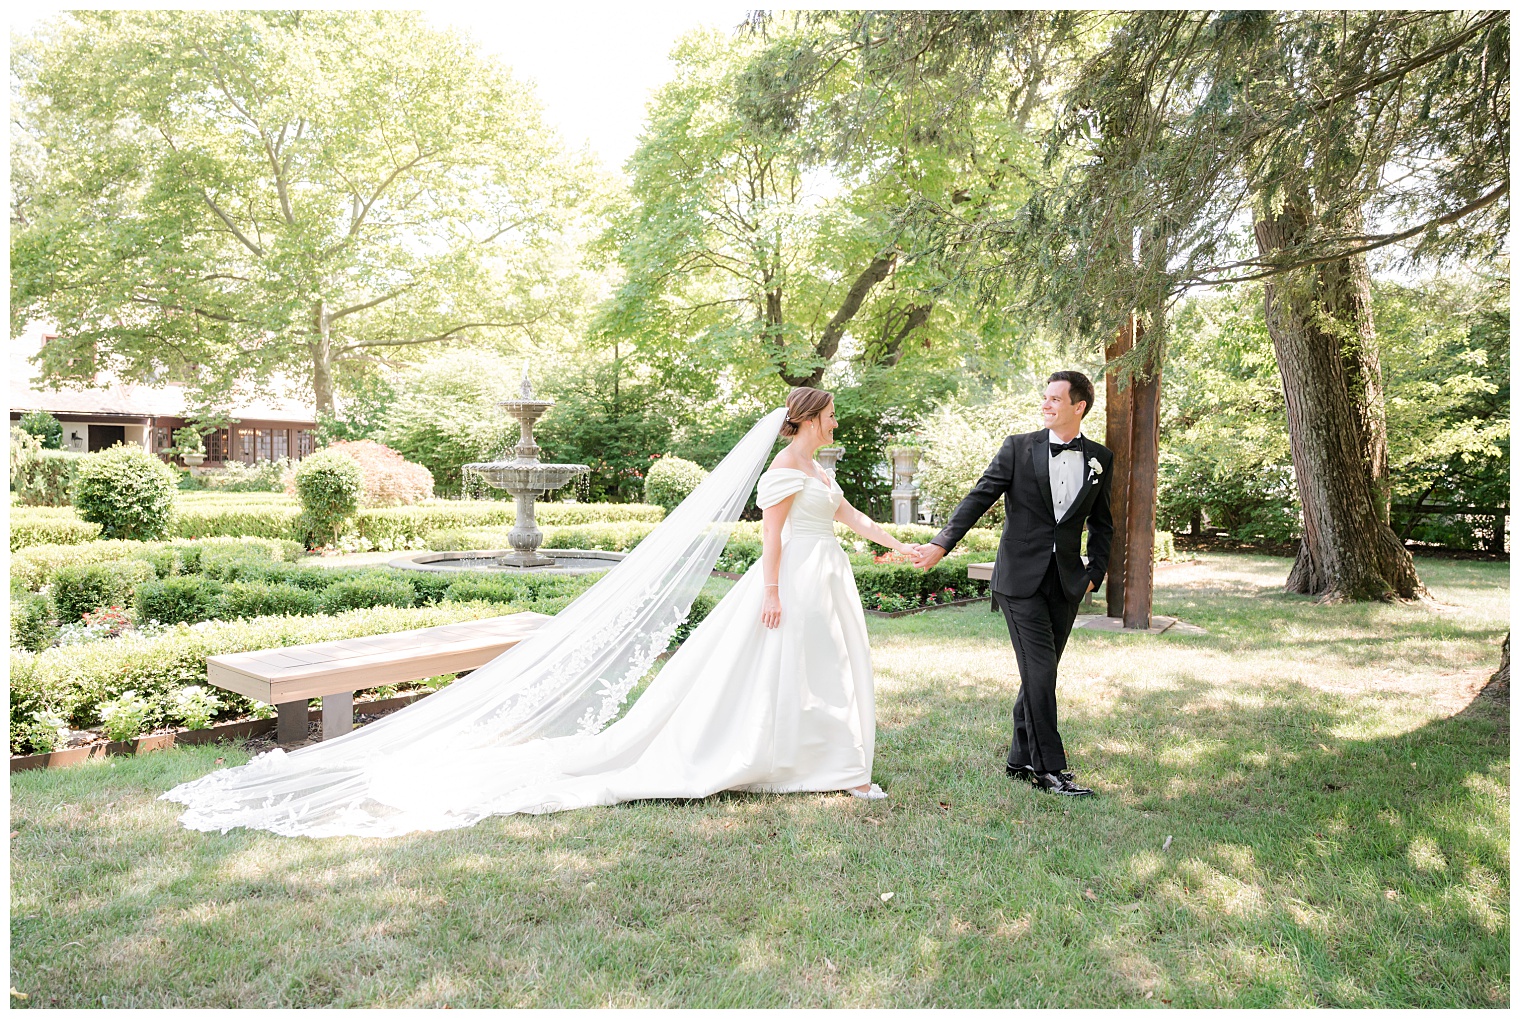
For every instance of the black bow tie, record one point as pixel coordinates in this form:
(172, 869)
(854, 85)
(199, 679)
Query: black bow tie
(1075, 445)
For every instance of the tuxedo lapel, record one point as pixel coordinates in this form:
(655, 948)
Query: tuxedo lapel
(1039, 453)
(1089, 481)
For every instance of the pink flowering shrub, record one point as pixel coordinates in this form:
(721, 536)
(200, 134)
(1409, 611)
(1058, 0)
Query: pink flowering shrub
(389, 478)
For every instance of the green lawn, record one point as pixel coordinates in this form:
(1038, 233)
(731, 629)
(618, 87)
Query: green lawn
(1336, 800)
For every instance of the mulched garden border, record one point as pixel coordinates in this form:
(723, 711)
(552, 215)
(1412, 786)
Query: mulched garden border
(925, 608)
(245, 729)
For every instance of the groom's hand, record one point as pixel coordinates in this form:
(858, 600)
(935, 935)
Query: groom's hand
(926, 556)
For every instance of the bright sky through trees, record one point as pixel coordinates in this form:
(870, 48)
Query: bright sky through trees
(595, 64)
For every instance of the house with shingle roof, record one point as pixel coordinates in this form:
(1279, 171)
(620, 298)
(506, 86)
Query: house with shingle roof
(113, 411)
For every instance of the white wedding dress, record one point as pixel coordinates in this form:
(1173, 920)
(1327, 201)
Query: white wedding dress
(738, 706)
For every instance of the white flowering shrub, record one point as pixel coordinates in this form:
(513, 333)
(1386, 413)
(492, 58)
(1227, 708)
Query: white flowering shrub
(194, 705)
(124, 718)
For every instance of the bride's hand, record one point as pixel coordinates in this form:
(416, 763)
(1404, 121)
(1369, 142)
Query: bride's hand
(770, 609)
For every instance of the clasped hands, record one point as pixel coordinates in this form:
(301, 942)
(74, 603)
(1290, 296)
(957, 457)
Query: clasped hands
(925, 556)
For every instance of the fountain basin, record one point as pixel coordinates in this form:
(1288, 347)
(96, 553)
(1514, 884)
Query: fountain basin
(566, 562)
(515, 476)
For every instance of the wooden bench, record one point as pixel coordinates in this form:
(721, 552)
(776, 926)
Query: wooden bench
(288, 676)
(983, 571)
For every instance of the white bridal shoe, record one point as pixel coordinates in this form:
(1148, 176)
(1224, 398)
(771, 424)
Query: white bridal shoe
(874, 793)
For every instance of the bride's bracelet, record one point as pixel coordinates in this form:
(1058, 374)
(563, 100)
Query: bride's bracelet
(773, 585)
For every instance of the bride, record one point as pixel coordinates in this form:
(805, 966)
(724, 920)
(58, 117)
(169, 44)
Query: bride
(772, 692)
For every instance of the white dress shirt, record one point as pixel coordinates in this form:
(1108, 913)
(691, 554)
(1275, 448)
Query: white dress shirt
(1065, 478)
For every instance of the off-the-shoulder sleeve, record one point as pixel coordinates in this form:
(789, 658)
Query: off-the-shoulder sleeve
(776, 484)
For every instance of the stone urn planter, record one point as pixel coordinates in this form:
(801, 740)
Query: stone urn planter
(829, 457)
(193, 459)
(905, 461)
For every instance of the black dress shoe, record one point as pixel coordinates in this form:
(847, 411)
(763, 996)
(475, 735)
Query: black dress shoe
(1026, 772)
(1055, 782)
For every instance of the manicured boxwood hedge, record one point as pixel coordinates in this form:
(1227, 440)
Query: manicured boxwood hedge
(670, 479)
(222, 521)
(49, 527)
(368, 590)
(415, 523)
(85, 587)
(401, 525)
(243, 599)
(234, 588)
(452, 526)
(73, 679)
(53, 584)
(35, 566)
(128, 491)
(328, 483)
(742, 549)
(912, 584)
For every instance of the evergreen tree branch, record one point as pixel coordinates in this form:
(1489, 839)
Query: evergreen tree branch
(1380, 241)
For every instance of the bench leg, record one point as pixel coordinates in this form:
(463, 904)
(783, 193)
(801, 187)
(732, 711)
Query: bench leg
(337, 714)
(290, 724)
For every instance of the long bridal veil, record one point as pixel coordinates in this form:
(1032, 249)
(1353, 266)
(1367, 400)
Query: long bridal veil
(569, 678)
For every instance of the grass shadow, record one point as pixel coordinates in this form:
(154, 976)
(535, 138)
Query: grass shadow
(1308, 862)
(1249, 856)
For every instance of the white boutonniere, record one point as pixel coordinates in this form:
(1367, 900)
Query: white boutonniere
(1094, 467)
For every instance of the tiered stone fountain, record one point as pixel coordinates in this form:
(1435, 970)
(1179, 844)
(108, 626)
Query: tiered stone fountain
(528, 480)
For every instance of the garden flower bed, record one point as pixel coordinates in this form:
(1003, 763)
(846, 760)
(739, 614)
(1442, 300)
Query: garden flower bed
(86, 745)
(68, 687)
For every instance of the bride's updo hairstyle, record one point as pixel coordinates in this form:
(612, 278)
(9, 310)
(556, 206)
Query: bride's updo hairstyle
(803, 404)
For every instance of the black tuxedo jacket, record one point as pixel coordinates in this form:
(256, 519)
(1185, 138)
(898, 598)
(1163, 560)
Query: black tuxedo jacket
(1020, 475)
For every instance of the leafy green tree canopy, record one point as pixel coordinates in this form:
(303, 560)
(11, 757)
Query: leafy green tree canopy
(47, 428)
(753, 261)
(447, 413)
(227, 195)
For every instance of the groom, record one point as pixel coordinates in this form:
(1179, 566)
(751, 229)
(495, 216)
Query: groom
(1052, 482)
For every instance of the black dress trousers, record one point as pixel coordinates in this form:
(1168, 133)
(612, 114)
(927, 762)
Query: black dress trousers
(1039, 626)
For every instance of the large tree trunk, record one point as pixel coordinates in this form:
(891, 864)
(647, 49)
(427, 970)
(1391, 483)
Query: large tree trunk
(1345, 287)
(1116, 435)
(1498, 683)
(1140, 511)
(1348, 550)
(320, 346)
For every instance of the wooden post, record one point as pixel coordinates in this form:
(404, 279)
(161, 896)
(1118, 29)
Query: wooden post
(1116, 437)
(337, 714)
(1144, 450)
(290, 721)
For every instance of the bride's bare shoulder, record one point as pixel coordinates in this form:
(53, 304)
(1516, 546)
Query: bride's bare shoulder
(784, 462)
